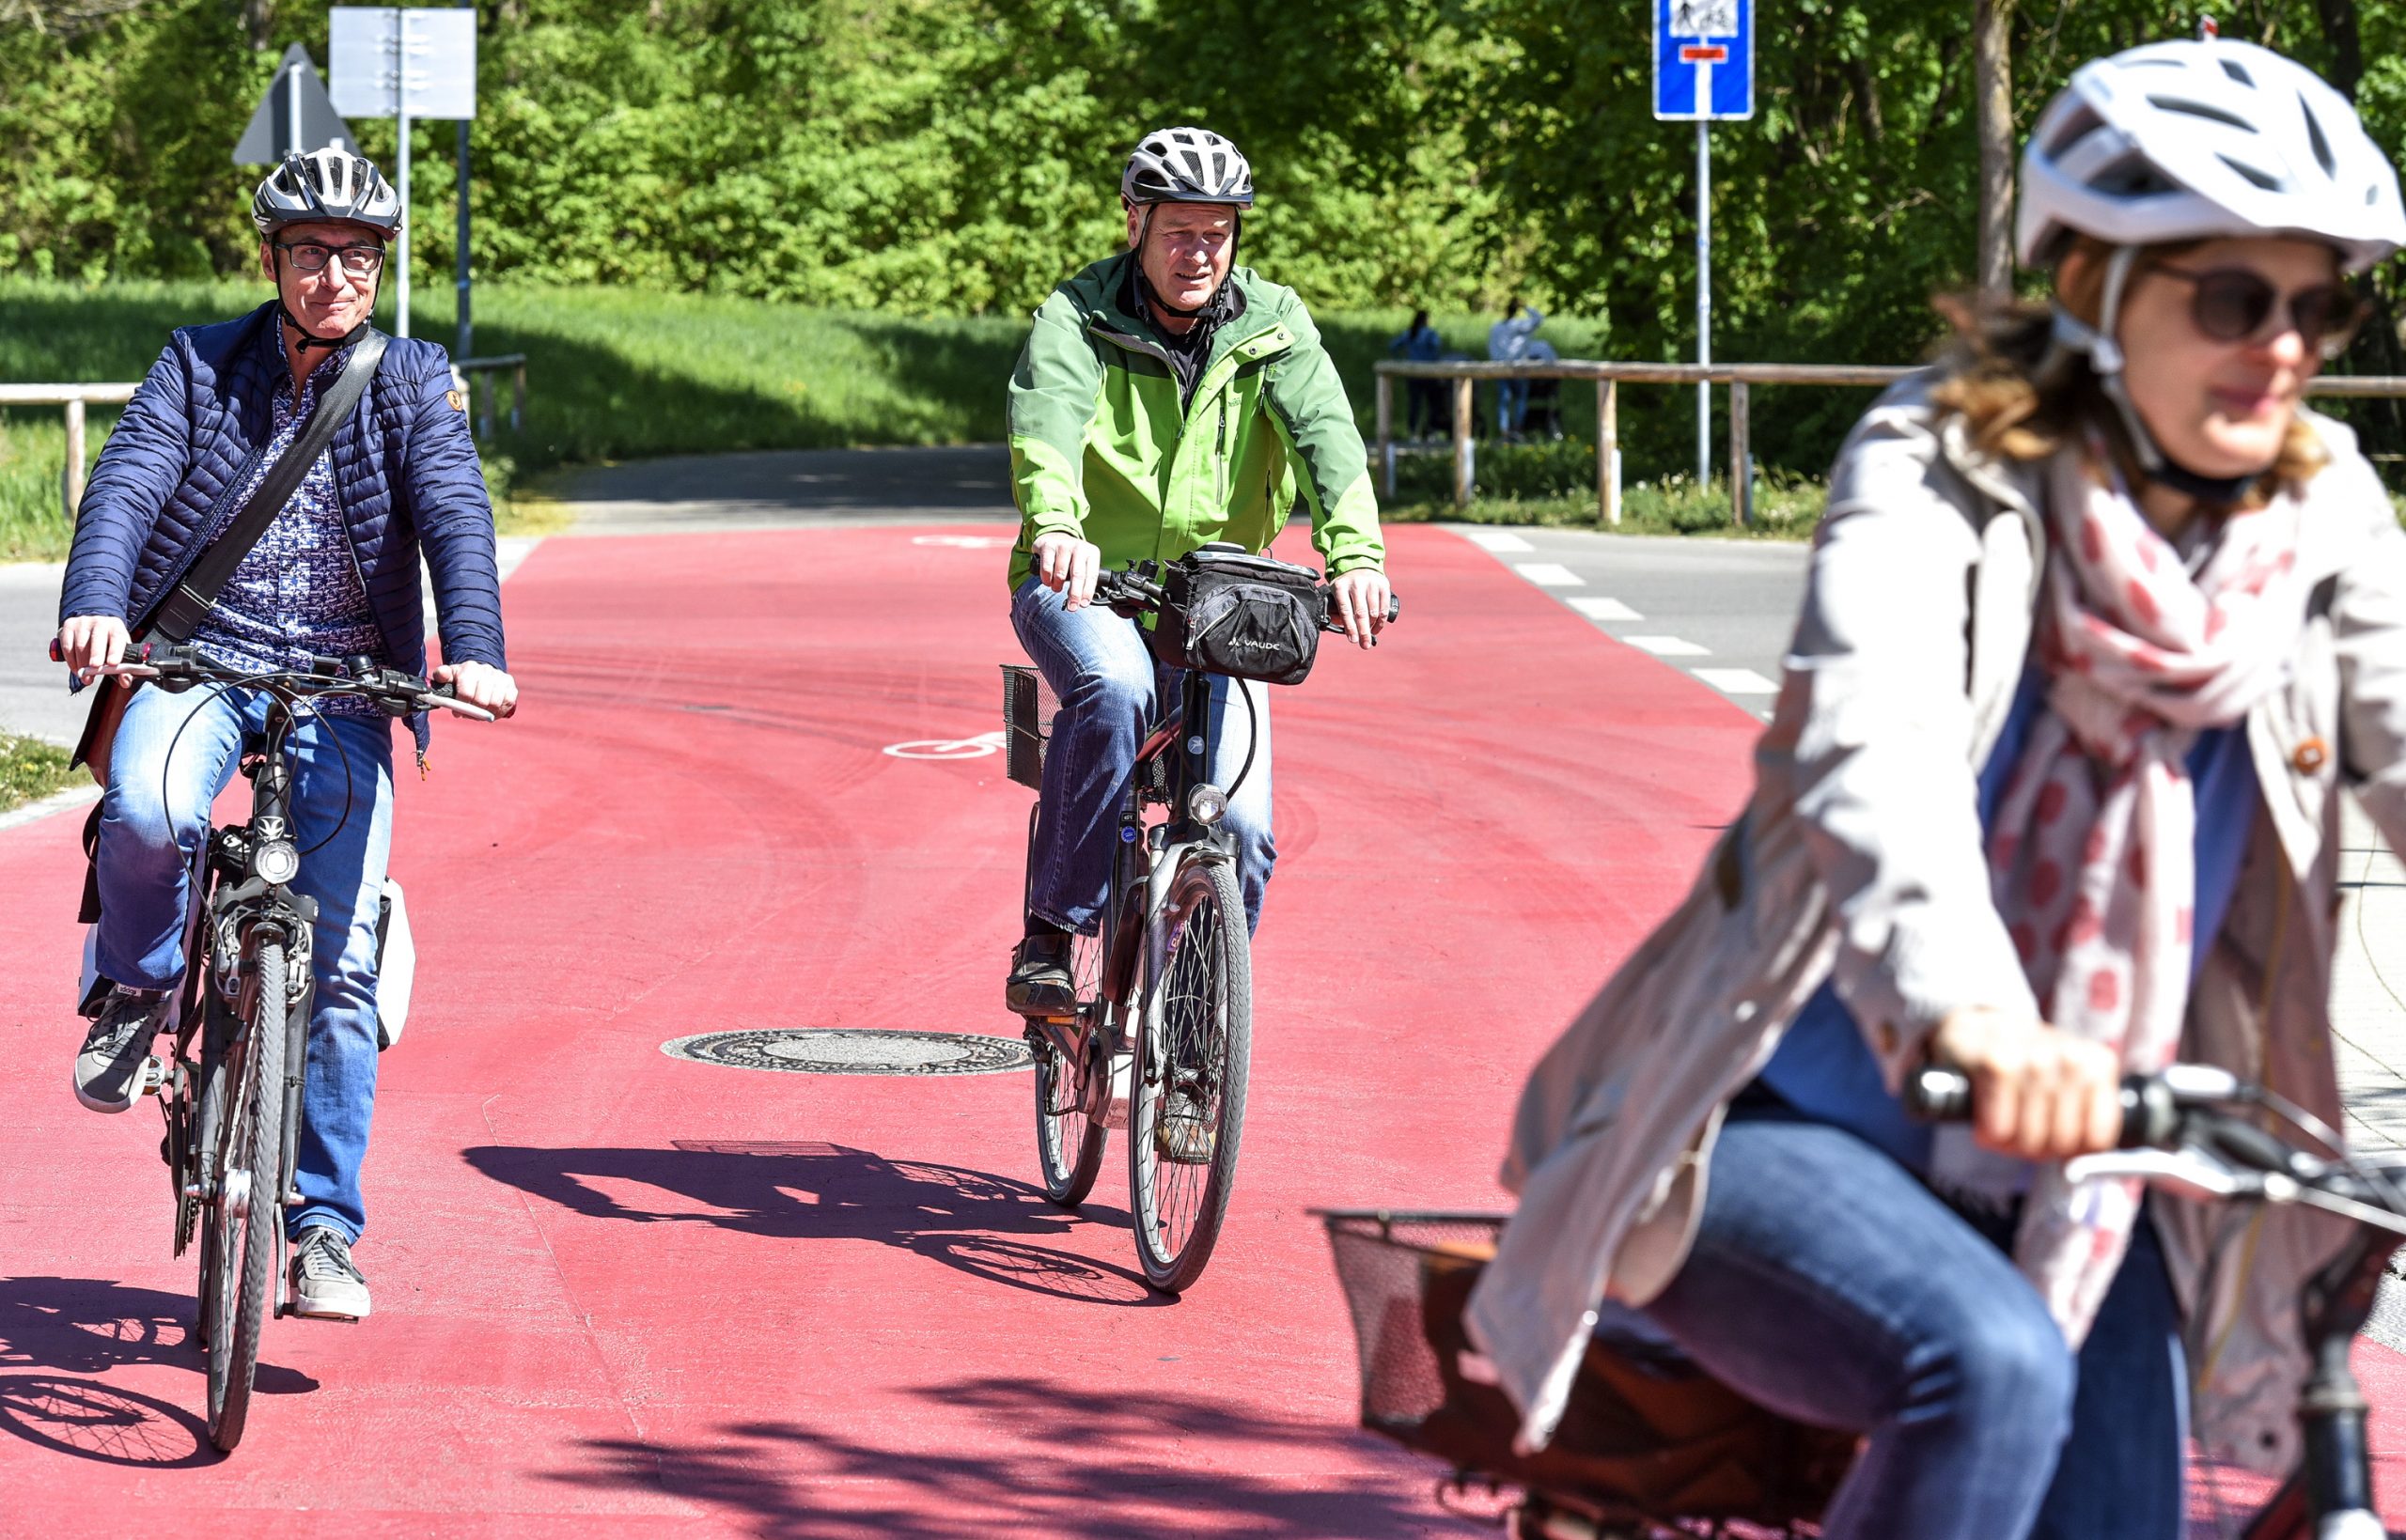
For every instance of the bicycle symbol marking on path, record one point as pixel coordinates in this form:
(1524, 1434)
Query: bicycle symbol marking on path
(948, 748)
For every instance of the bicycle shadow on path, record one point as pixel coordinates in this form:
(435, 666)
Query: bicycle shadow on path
(59, 1335)
(990, 1227)
(1085, 1464)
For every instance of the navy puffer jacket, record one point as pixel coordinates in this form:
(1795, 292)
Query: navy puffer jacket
(405, 473)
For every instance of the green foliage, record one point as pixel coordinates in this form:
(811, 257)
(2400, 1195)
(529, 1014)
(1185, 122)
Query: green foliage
(30, 770)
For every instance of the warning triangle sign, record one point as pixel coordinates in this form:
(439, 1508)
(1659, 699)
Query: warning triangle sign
(294, 115)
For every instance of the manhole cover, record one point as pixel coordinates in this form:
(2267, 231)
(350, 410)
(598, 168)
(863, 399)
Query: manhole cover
(843, 1051)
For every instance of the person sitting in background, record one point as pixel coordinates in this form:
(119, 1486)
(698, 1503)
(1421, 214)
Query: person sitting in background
(1508, 342)
(1419, 343)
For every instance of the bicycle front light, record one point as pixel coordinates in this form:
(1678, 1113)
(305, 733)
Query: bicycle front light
(1207, 803)
(275, 862)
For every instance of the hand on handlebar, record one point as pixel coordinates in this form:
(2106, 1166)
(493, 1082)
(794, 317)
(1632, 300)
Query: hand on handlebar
(1360, 600)
(89, 643)
(2038, 1093)
(1069, 566)
(480, 685)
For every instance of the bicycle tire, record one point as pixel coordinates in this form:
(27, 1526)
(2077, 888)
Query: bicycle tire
(1195, 1042)
(216, 1073)
(249, 1242)
(1068, 1143)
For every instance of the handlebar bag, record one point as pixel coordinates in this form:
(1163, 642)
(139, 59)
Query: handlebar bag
(1247, 616)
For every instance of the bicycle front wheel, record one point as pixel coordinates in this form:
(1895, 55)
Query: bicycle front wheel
(1068, 1142)
(246, 1228)
(1186, 1109)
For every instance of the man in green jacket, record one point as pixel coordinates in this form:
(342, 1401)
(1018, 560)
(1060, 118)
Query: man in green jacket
(1165, 400)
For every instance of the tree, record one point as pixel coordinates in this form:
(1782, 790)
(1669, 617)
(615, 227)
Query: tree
(1993, 94)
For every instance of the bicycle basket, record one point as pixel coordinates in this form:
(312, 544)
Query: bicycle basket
(1648, 1435)
(1028, 705)
(1249, 617)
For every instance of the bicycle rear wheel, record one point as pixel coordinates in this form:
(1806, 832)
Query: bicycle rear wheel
(1068, 1143)
(1187, 1095)
(246, 1226)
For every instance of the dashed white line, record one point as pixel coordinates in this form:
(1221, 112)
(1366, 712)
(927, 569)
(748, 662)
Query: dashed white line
(1603, 609)
(1667, 647)
(1737, 681)
(1550, 574)
(1497, 540)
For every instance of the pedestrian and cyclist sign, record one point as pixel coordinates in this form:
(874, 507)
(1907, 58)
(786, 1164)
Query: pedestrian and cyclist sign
(1704, 59)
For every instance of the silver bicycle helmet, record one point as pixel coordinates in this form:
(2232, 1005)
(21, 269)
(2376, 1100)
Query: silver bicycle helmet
(2190, 140)
(326, 184)
(1187, 165)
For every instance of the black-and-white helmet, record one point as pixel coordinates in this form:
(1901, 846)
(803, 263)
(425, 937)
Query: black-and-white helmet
(2203, 138)
(1187, 165)
(326, 184)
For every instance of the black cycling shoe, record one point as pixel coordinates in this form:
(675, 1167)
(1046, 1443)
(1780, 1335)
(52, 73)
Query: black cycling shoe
(1040, 982)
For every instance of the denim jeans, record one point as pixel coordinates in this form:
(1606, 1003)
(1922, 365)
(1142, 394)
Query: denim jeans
(1099, 665)
(1511, 405)
(1831, 1286)
(172, 756)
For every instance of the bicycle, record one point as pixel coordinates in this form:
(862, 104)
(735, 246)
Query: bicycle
(1651, 1447)
(233, 1112)
(1171, 957)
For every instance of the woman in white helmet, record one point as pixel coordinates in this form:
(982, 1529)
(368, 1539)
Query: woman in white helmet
(2098, 618)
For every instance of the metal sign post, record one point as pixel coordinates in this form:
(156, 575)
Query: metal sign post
(403, 63)
(1704, 69)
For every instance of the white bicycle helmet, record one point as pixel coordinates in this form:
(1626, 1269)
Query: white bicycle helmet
(1187, 165)
(326, 184)
(2195, 139)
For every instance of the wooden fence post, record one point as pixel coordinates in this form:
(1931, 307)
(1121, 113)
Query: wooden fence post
(1740, 488)
(1385, 390)
(1462, 399)
(74, 485)
(1608, 450)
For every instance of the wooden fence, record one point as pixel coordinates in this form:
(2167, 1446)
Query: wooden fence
(1740, 378)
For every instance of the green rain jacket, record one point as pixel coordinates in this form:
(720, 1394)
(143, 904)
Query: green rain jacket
(1101, 449)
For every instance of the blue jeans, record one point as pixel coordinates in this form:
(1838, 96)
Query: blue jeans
(1099, 665)
(1511, 405)
(152, 818)
(1832, 1286)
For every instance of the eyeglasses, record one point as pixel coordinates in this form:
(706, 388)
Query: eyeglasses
(359, 261)
(2233, 304)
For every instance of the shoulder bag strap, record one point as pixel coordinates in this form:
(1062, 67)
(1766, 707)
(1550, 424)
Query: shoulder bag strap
(180, 615)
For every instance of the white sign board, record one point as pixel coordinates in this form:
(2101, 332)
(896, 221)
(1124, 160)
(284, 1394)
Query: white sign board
(402, 61)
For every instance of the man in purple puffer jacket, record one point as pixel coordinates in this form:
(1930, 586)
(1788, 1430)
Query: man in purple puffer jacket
(336, 574)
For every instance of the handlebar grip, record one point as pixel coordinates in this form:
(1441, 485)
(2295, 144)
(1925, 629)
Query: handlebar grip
(55, 654)
(2150, 1113)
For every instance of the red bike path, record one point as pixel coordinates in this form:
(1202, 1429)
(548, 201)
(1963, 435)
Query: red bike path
(623, 1294)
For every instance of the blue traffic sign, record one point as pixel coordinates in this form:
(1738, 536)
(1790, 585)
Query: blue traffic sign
(1704, 58)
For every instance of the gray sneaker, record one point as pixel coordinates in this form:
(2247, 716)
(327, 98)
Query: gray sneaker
(109, 1074)
(1182, 1136)
(327, 1284)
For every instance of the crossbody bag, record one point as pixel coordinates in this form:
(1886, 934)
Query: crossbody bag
(177, 614)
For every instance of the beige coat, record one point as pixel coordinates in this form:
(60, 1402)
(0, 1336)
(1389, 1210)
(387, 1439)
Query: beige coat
(1859, 857)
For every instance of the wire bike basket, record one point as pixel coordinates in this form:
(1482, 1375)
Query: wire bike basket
(1649, 1440)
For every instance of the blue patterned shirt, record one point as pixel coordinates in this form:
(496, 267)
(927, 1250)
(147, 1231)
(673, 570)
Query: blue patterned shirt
(298, 592)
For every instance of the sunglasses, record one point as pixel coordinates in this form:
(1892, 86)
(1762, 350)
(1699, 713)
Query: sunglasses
(2234, 305)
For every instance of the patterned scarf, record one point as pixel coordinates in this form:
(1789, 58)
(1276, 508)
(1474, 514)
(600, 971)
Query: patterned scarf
(2093, 853)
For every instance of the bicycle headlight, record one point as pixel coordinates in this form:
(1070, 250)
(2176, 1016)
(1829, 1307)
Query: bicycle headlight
(1207, 803)
(275, 862)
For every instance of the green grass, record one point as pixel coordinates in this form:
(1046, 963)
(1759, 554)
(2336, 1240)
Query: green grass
(621, 374)
(30, 770)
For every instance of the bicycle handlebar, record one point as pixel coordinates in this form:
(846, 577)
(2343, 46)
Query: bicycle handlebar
(2201, 1130)
(174, 662)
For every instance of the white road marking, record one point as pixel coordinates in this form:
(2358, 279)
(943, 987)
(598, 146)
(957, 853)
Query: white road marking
(1497, 540)
(1737, 681)
(948, 748)
(1603, 609)
(964, 542)
(1550, 574)
(1667, 647)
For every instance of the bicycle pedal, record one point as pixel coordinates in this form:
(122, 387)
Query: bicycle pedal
(157, 1074)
